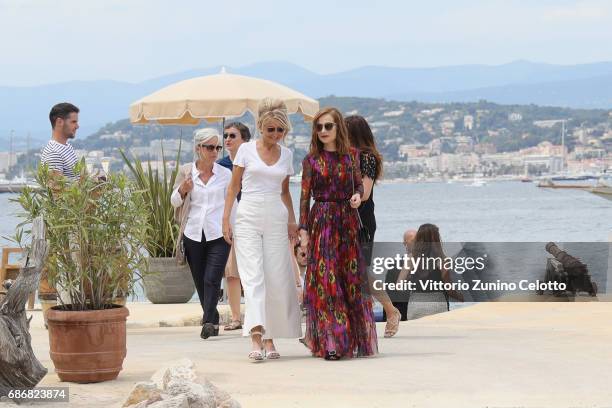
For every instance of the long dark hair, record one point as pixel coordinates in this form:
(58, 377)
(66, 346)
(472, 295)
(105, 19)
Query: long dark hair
(427, 244)
(342, 138)
(427, 241)
(362, 138)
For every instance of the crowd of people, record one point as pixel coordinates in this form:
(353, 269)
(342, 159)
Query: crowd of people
(237, 222)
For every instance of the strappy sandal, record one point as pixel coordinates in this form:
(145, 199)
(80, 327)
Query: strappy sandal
(233, 325)
(331, 356)
(271, 354)
(257, 355)
(392, 325)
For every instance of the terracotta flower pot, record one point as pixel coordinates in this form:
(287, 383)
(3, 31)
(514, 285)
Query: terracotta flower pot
(87, 346)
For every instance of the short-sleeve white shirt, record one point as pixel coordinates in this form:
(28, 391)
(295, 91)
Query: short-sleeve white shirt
(258, 177)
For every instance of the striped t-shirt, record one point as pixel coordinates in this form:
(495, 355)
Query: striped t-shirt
(60, 157)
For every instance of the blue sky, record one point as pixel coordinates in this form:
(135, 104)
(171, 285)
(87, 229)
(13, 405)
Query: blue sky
(47, 41)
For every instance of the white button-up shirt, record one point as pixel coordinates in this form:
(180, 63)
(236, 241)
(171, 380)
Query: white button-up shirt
(207, 203)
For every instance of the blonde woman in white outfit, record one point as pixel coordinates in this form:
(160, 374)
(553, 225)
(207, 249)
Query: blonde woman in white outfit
(265, 224)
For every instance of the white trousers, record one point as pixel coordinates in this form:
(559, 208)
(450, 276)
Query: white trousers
(264, 265)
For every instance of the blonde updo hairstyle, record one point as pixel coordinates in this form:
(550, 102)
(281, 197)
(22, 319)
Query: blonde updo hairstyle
(270, 108)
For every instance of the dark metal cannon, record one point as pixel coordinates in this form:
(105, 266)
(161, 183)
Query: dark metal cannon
(564, 268)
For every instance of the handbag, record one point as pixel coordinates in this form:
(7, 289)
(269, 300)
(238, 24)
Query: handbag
(364, 235)
(179, 248)
(181, 258)
(421, 304)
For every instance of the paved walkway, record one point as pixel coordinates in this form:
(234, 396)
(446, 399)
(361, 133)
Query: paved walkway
(493, 354)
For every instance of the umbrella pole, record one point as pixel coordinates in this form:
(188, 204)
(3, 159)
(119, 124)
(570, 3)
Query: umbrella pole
(223, 140)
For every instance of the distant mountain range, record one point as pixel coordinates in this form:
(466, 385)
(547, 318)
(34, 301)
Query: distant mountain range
(25, 109)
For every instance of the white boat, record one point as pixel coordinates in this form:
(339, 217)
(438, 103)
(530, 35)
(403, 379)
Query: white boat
(477, 183)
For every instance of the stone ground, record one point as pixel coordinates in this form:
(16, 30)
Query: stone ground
(487, 355)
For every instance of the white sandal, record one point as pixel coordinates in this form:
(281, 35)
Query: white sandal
(271, 354)
(257, 355)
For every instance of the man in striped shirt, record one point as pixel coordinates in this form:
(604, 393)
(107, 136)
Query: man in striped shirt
(58, 154)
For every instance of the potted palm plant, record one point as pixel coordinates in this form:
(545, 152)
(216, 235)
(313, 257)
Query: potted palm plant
(167, 281)
(95, 230)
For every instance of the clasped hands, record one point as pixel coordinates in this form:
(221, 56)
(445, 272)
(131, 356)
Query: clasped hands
(292, 231)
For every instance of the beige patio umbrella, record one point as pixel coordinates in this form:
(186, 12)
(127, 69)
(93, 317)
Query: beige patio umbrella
(214, 98)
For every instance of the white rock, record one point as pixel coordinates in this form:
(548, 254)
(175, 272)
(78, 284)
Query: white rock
(179, 401)
(175, 385)
(158, 377)
(197, 394)
(183, 368)
(150, 401)
(179, 374)
(142, 391)
(220, 395)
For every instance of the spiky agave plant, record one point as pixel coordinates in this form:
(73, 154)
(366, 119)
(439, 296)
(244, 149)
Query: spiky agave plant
(157, 189)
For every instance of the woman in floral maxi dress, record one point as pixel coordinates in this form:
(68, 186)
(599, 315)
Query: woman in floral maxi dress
(340, 322)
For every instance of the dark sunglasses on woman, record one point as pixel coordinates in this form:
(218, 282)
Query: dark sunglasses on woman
(230, 135)
(210, 148)
(278, 129)
(328, 126)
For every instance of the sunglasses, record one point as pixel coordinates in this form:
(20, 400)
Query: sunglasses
(230, 135)
(327, 126)
(210, 148)
(278, 129)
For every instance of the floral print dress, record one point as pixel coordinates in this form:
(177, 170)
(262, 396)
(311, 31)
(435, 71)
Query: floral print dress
(339, 309)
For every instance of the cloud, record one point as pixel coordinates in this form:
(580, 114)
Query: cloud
(584, 11)
(60, 40)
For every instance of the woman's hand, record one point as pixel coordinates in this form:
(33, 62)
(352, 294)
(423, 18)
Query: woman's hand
(227, 231)
(355, 200)
(292, 230)
(186, 186)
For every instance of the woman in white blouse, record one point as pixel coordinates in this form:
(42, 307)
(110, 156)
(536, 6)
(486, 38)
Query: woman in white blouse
(199, 193)
(265, 223)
